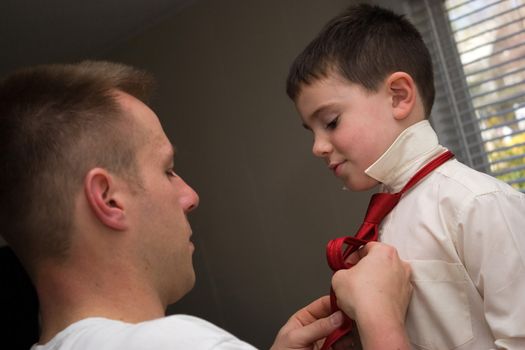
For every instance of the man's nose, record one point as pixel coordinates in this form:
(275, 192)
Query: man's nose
(189, 199)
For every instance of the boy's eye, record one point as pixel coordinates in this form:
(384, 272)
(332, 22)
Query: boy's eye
(333, 124)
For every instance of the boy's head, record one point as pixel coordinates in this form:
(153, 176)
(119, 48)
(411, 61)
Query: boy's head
(364, 45)
(358, 85)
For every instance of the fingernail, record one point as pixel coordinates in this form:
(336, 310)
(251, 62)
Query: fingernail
(337, 318)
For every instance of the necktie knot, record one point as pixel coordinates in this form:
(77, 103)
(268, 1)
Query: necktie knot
(380, 205)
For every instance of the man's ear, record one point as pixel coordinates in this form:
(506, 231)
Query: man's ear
(104, 200)
(402, 90)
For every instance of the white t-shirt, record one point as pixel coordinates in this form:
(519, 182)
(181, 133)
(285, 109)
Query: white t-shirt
(463, 233)
(171, 332)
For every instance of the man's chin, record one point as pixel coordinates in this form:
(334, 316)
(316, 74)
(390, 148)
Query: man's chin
(185, 287)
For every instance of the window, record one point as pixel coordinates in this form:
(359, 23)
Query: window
(478, 48)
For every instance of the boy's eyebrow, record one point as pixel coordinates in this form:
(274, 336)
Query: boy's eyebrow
(316, 114)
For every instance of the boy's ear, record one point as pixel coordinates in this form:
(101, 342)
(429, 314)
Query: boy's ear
(104, 200)
(402, 90)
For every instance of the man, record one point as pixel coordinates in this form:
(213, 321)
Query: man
(96, 213)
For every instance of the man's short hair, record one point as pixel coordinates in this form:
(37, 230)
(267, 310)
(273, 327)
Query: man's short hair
(365, 44)
(57, 122)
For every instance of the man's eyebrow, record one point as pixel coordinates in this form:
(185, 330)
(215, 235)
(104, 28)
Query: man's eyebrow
(171, 153)
(306, 127)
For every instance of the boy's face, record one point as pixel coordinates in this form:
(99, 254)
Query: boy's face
(352, 127)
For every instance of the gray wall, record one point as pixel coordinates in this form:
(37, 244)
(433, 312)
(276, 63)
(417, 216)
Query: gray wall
(268, 207)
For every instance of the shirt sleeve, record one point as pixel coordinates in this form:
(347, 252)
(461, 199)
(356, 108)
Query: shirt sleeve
(492, 233)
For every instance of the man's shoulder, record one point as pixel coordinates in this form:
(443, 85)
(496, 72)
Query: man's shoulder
(188, 332)
(184, 325)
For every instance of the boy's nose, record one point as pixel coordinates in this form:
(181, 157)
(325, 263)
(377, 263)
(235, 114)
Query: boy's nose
(321, 147)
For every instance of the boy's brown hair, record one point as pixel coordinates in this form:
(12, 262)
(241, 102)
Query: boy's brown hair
(365, 44)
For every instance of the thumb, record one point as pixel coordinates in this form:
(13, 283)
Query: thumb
(318, 329)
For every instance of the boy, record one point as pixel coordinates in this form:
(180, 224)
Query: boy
(364, 88)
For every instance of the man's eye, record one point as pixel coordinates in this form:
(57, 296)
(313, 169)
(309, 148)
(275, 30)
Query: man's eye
(171, 173)
(333, 124)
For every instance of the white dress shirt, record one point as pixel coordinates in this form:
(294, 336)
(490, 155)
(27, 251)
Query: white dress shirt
(463, 233)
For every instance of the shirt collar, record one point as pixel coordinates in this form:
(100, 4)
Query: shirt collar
(412, 149)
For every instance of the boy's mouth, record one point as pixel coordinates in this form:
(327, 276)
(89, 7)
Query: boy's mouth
(335, 167)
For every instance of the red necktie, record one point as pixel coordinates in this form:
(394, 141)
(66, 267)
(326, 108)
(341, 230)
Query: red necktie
(380, 205)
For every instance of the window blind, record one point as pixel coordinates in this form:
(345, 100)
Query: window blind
(478, 49)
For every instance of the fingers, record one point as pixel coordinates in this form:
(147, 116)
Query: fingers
(315, 331)
(379, 280)
(387, 252)
(364, 251)
(308, 325)
(315, 310)
(353, 258)
(376, 248)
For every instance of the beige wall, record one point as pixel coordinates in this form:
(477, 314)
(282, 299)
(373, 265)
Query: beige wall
(268, 207)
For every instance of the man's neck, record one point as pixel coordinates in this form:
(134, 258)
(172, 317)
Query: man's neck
(66, 298)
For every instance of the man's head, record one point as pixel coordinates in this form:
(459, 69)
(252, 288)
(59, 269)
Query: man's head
(364, 45)
(57, 124)
(87, 179)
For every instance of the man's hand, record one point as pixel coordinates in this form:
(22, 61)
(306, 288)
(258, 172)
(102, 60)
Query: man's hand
(375, 293)
(308, 327)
